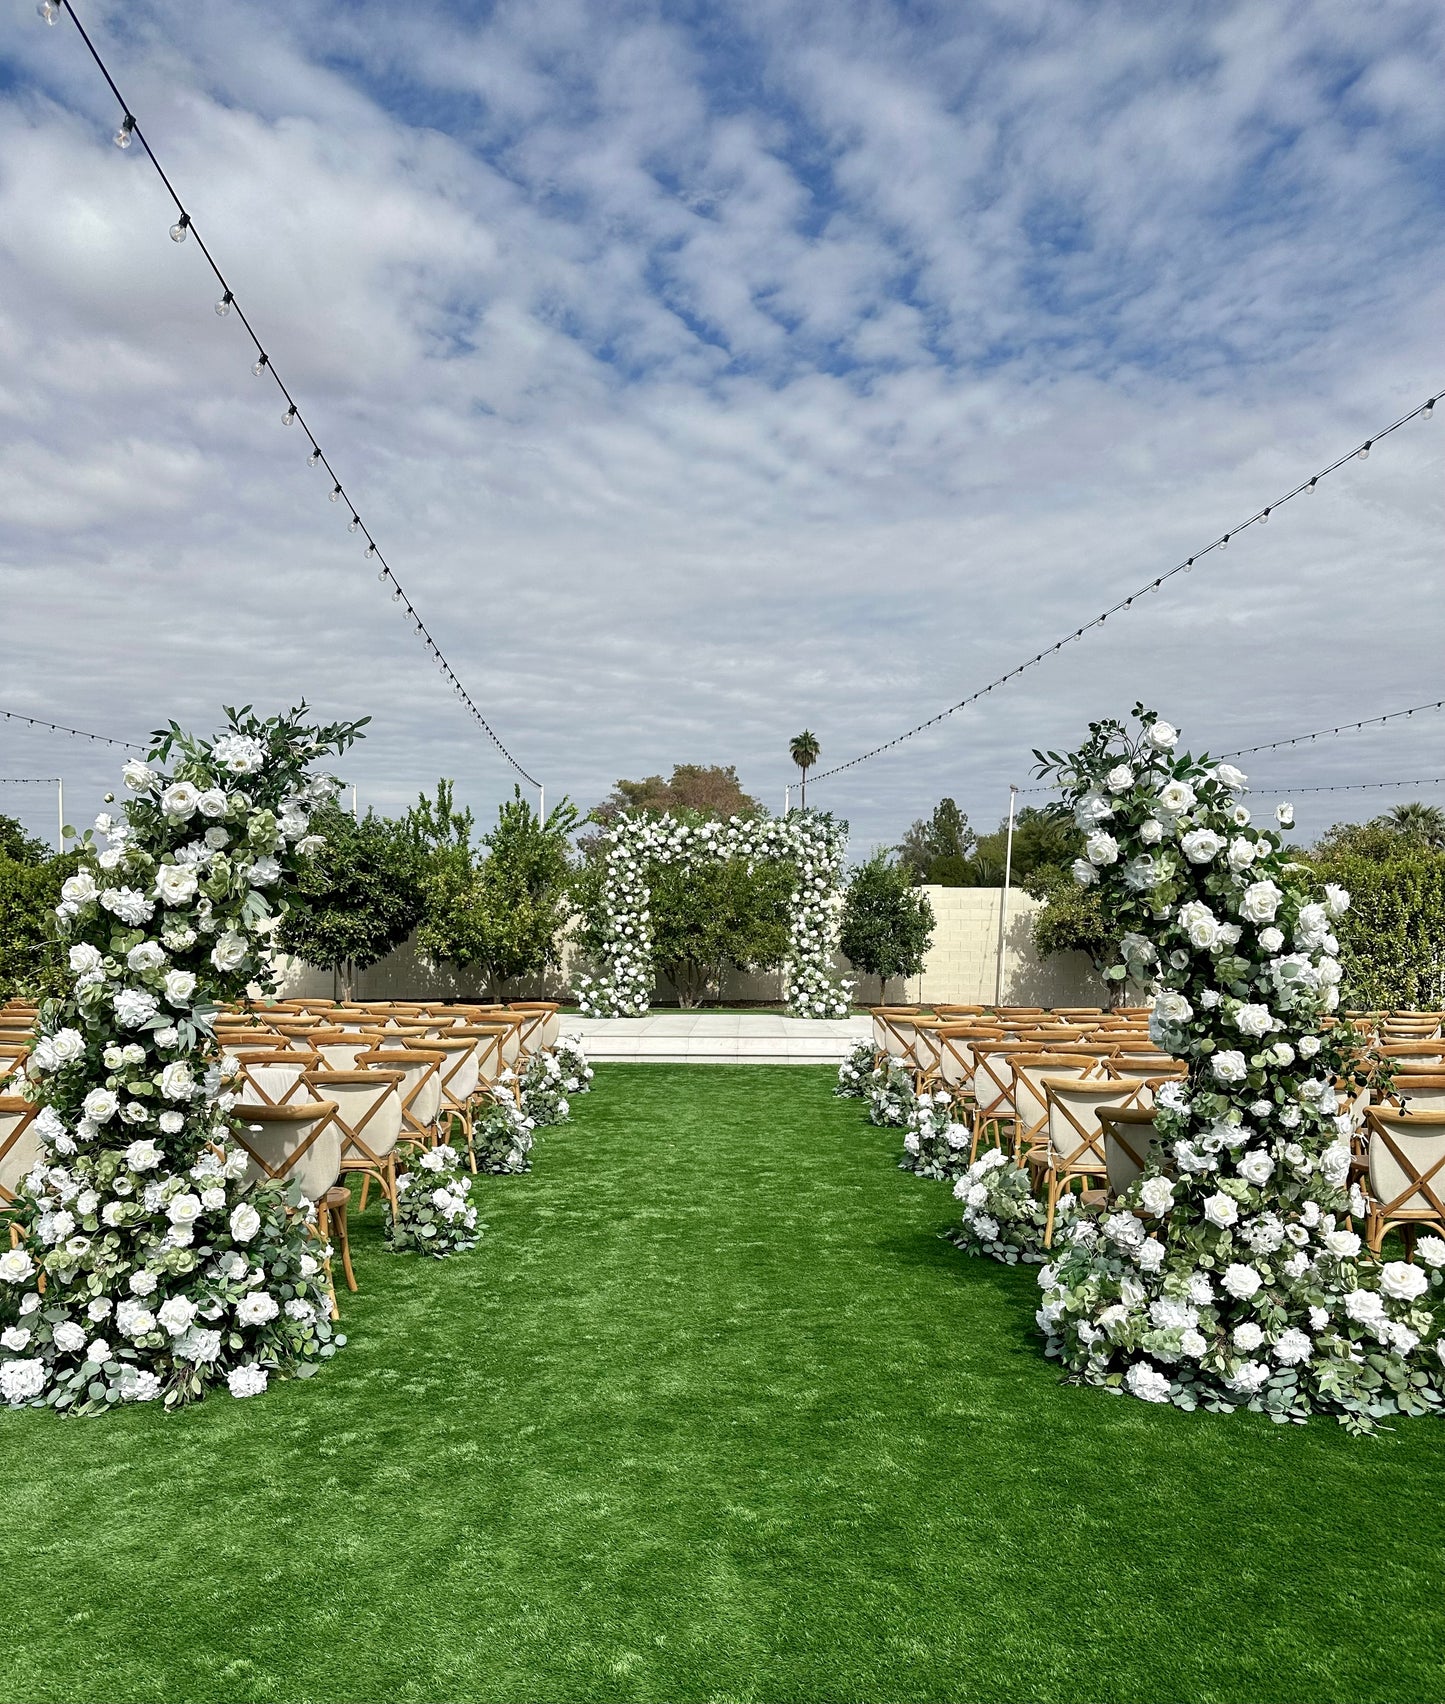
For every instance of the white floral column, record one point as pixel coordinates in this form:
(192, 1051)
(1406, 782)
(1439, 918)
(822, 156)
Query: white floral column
(162, 1277)
(1232, 1273)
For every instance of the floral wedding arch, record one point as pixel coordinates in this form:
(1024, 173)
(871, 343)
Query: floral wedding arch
(635, 845)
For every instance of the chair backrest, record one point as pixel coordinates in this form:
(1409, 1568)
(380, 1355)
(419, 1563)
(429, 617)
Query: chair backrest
(420, 1088)
(1416, 1091)
(889, 1023)
(488, 1041)
(1144, 1067)
(1129, 1133)
(1075, 1140)
(340, 1049)
(993, 1077)
(19, 1144)
(299, 1144)
(543, 1017)
(955, 1043)
(276, 1078)
(1406, 1162)
(368, 1110)
(457, 1078)
(1030, 1097)
(13, 1055)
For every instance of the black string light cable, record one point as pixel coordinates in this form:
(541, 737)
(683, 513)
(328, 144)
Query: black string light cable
(1361, 452)
(1344, 728)
(130, 131)
(77, 733)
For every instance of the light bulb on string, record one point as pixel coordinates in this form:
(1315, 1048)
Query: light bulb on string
(261, 363)
(354, 524)
(49, 10)
(124, 136)
(315, 456)
(1310, 488)
(370, 551)
(289, 417)
(335, 496)
(223, 307)
(1264, 517)
(1428, 409)
(1224, 542)
(1364, 454)
(396, 595)
(179, 229)
(381, 575)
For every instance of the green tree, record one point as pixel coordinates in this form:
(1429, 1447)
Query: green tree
(938, 848)
(1392, 938)
(711, 791)
(32, 959)
(1420, 823)
(356, 899)
(887, 924)
(715, 914)
(502, 907)
(1071, 918)
(804, 750)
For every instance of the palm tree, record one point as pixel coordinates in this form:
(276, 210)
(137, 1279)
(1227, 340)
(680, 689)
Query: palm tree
(804, 752)
(1417, 821)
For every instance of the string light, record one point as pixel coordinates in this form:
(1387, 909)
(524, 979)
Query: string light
(50, 10)
(1354, 786)
(61, 728)
(1220, 543)
(1343, 728)
(126, 134)
(289, 417)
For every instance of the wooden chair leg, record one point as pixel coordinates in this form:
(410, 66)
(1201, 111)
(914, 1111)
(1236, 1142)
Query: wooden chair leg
(365, 1188)
(340, 1215)
(1053, 1203)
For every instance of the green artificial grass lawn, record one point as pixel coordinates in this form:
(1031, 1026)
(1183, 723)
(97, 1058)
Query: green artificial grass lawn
(711, 1413)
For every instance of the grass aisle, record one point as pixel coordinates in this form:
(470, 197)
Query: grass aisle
(711, 1413)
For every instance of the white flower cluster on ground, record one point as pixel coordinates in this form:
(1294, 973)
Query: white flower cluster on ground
(434, 1211)
(503, 1134)
(162, 1277)
(935, 1144)
(855, 1073)
(889, 1093)
(1232, 1273)
(1002, 1217)
(811, 840)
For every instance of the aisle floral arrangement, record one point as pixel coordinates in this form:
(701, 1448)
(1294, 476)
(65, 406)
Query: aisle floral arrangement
(1231, 1273)
(855, 1073)
(434, 1212)
(935, 1144)
(163, 1274)
(890, 1093)
(1002, 1217)
(812, 840)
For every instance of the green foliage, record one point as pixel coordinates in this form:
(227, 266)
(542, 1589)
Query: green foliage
(1071, 918)
(32, 958)
(710, 790)
(887, 923)
(356, 898)
(501, 910)
(944, 850)
(1392, 939)
(943, 838)
(712, 915)
(804, 750)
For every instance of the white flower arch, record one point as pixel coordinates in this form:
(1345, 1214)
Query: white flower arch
(635, 844)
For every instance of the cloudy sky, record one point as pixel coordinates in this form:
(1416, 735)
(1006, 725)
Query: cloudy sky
(710, 371)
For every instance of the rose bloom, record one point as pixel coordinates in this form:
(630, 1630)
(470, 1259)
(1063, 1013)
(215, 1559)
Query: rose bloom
(1101, 848)
(1221, 1210)
(1260, 902)
(1253, 1020)
(1202, 845)
(180, 800)
(1120, 778)
(1176, 797)
(1229, 1066)
(1242, 853)
(1240, 1281)
(1151, 831)
(1162, 736)
(212, 803)
(1402, 1282)
(1228, 776)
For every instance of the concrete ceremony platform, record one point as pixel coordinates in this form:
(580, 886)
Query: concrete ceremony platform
(719, 1038)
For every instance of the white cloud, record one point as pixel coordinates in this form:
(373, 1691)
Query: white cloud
(812, 369)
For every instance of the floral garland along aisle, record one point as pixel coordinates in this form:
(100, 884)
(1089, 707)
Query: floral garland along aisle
(162, 1275)
(1231, 1272)
(813, 840)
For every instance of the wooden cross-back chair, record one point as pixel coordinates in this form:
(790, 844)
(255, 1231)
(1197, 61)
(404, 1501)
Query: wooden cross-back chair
(1416, 1091)
(1406, 1170)
(544, 1022)
(488, 1043)
(13, 1055)
(301, 1144)
(276, 1078)
(1030, 1097)
(1129, 1135)
(1127, 1067)
(993, 1090)
(340, 1049)
(1074, 1150)
(893, 1032)
(368, 1116)
(420, 1088)
(457, 1078)
(19, 1145)
(955, 1054)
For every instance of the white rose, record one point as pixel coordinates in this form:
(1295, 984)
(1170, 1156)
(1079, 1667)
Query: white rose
(1239, 1281)
(1344, 1244)
(85, 959)
(176, 1314)
(180, 986)
(1432, 1251)
(1151, 831)
(1229, 1066)
(1242, 853)
(1162, 736)
(1172, 1008)
(1202, 845)
(101, 1105)
(1284, 815)
(1175, 797)
(1228, 776)
(1199, 924)
(1260, 902)
(1364, 1306)
(147, 955)
(1120, 778)
(1221, 1210)
(1256, 1167)
(1156, 1195)
(229, 951)
(177, 1083)
(68, 1337)
(175, 883)
(256, 1307)
(1402, 1282)
(245, 1222)
(1253, 1020)
(1101, 848)
(180, 800)
(1271, 939)
(138, 776)
(211, 803)
(184, 1209)
(1084, 873)
(1337, 900)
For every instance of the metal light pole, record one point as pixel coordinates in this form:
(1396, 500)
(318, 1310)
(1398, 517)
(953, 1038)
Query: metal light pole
(1008, 864)
(59, 814)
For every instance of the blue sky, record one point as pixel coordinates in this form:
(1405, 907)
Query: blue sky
(712, 371)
